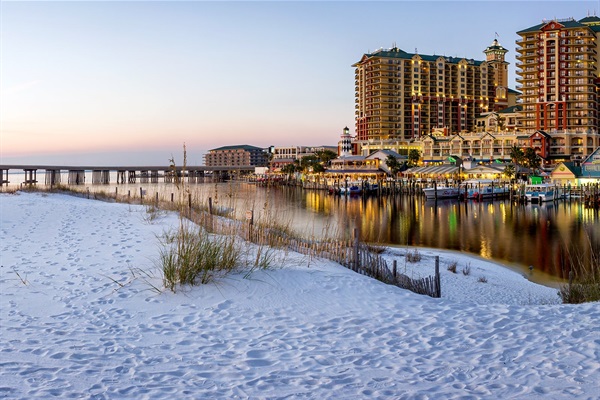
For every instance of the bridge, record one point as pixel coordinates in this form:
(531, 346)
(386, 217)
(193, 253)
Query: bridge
(124, 174)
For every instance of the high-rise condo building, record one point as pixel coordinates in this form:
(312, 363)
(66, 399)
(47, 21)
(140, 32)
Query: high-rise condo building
(401, 96)
(558, 74)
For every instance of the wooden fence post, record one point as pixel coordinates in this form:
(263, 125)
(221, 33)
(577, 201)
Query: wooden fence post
(356, 260)
(395, 268)
(438, 289)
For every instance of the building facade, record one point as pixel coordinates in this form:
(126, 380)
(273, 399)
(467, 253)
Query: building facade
(558, 74)
(283, 155)
(236, 156)
(403, 96)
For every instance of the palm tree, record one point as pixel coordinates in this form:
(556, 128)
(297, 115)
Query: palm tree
(414, 156)
(531, 159)
(509, 171)
(516, 155)
(393, 164)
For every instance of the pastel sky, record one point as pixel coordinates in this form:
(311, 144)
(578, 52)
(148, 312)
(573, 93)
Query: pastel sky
(129, 83)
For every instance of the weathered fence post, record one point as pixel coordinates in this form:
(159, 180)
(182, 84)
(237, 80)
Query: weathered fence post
(438, 289)
(395, 268)
(250, 219)
(355, 250)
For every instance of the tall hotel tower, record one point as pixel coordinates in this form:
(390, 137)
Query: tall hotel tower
(557, 72)
(401, 96)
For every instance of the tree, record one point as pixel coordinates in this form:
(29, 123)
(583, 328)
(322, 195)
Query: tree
(326, 155)
(516, 155)
(531, 159)
(288, 169)
(307, 162)
(318, 168)
(414, 156)
(510, 171)
(393, 164)
(500, 123)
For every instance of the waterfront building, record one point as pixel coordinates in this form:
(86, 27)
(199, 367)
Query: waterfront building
(476, 146)
(357, 167)
(558, 73)
(284, 155)
(403, 96)
(501, 121)
(572, 173)
(237, 155)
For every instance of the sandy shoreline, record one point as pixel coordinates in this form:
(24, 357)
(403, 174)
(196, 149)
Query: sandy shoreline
(83, 326)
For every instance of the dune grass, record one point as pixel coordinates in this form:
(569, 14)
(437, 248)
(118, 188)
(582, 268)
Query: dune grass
(192, 256)
(584, 277)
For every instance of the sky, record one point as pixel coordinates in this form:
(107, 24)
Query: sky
(129, 83)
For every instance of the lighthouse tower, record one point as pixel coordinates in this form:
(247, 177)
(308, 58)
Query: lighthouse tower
(345, 143)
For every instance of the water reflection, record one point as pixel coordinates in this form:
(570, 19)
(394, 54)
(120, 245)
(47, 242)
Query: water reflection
(544, 236)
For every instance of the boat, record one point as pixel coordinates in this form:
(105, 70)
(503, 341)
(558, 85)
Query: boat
(352, 189)
(482, 189)
(441, 192)
(541, 192)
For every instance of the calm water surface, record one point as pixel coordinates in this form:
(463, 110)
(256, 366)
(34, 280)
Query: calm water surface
(544, 236)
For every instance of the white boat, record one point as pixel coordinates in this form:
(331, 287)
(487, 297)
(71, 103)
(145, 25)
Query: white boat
(352, 189)
(482, 189)
(541, 192)
(441, 192)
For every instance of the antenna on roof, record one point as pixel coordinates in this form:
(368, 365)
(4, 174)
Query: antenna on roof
(416, 51)
(393, 45)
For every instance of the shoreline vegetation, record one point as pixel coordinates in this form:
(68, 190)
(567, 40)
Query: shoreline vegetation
(210, 242)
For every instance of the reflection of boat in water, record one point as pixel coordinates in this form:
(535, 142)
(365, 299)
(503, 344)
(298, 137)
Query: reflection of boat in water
(441, 192)
(482, 189)
(353, 189)
(541, 192)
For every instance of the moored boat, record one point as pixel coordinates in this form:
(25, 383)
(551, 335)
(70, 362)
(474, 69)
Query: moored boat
(541, 192)
(352, 189)
(482, 189)
(441, 192)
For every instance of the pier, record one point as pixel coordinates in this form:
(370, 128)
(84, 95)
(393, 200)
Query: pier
(101, 175)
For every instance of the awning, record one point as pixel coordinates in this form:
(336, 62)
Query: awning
(433, 170)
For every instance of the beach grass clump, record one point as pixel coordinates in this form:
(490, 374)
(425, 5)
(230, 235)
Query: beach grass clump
(584, 276)
(482, 279)
(192, 256)
(467, 269)
(153, 213)
(584, 285)
(452, 267)
(413, 256)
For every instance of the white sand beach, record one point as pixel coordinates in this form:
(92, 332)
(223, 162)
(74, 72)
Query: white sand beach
(79, 318)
